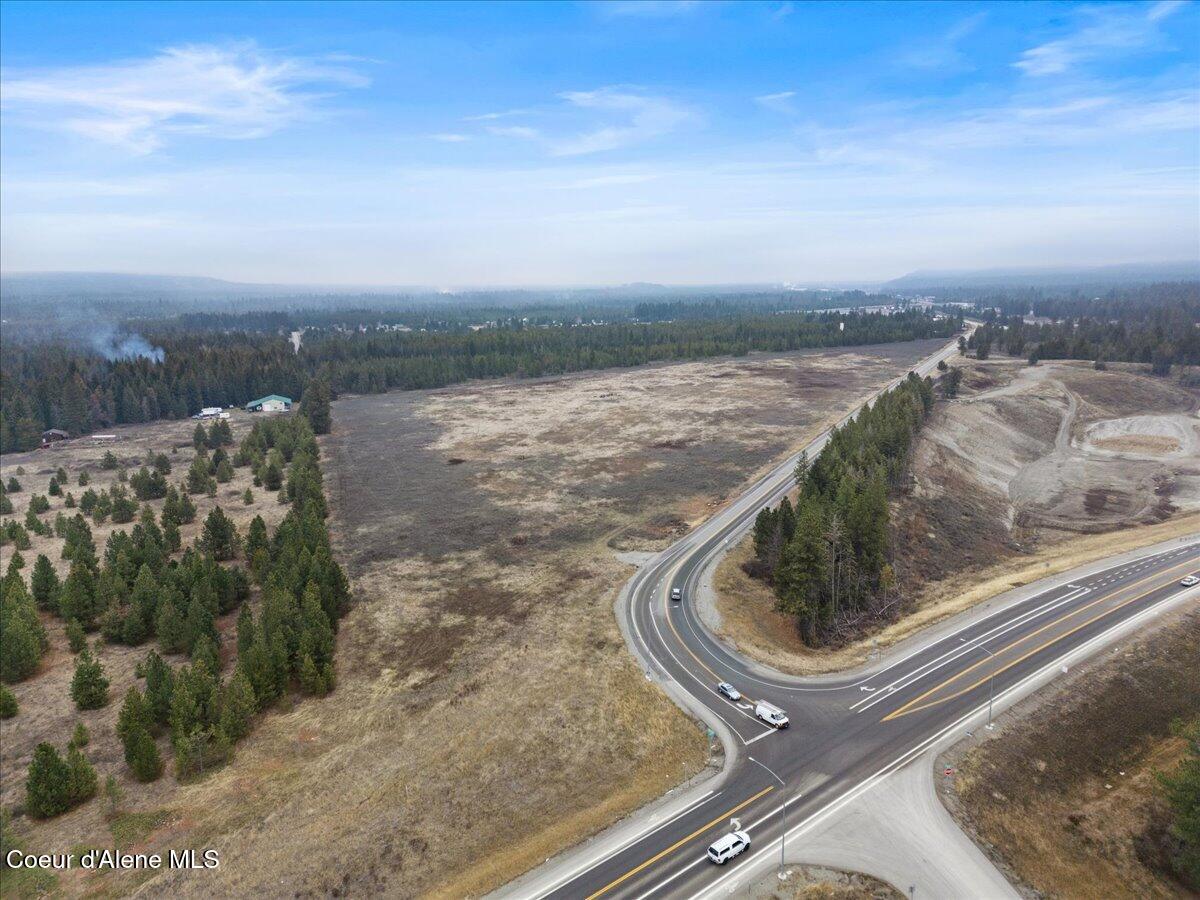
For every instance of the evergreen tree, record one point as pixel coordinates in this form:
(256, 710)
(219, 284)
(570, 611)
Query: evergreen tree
(48, 786)
(76, 639)
(89, 687)
(220, 537)
(143, 757)
(237, 707)
(314, 406)
(82, 777)
(22, 636)
(80, 737)
(8, 703)
(78, 600)
(160, 681)
(1181, 788)
(171, 628)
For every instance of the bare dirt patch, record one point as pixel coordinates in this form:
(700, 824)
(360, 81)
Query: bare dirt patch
(487, 713)
(822, 883)
(1064, 798)
(1006, 487)
(1154, 445)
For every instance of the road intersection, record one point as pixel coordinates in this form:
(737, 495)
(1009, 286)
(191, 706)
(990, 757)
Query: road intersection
(847, 732)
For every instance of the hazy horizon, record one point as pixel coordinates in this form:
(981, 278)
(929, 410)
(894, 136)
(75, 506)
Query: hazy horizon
(596, 144)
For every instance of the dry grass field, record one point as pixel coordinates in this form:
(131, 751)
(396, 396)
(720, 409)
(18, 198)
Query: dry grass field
(487, 713)
(1067, 802)
(1033, 471)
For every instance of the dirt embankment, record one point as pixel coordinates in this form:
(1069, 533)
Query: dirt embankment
(487, 713)
(1064, 796)
(1017, 480)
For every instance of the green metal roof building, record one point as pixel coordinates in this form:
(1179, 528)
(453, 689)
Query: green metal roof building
(270, 403)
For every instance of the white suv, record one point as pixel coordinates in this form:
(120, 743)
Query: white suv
(726, 848)
(1190, 581)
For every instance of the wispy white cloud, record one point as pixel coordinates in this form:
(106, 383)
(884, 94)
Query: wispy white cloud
(943, 51)
(647, 9)
(524, 132)
(1106, 31)
(780, 102)
(784, 10)
(503, 114)
(235, 92)
(449, 137)
(641, 118)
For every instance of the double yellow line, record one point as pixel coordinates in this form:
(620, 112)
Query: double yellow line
(679, 843)
(915, 705)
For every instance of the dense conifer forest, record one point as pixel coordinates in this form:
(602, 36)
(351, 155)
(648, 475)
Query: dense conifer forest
(827, 556)
(78, 389)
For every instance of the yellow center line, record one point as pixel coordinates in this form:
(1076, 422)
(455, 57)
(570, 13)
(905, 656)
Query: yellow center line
(703, 828)
(683, 643)
(911, 705)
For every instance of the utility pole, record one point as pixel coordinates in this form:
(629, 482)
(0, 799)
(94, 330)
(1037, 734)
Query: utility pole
(991, 681)
(783, 816)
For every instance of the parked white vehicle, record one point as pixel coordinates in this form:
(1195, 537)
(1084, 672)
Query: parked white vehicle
(771, 714)
(726, 848)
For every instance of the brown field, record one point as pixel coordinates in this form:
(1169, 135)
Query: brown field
(47, 712)
(1064, 797)
(1009, 484)
(487, 713)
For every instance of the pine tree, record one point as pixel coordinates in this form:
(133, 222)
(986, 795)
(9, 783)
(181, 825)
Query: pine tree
(89, 687)
(77, 600)
(82, 777)
(314, 406)
(141, 753)
(76, 639)
(134, 714)
(8, 703)
(48, 786)
(237, 706)
(220, 537)
(160, 682)
(80, 737)
(20, 650)
(171, 628)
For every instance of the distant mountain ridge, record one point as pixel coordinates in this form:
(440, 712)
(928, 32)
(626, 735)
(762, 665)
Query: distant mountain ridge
(1125, 273)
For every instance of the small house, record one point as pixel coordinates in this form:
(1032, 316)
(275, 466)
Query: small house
(53, 436)
(270, 403)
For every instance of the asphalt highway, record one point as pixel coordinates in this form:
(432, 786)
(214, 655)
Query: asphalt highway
(847, 732)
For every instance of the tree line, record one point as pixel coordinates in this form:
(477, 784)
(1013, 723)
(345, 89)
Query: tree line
(826, 557)
(63, 386)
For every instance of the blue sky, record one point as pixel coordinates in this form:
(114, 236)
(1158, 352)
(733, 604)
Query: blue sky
(580, 143)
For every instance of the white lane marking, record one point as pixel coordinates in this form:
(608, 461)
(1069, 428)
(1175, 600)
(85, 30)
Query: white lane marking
(961, 650)
(872, 780)
(609, 854)
(663, 884)
(767, 733)
(700, 681)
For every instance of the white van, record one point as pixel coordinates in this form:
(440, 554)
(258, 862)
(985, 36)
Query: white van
(771, 714)
(726, 848)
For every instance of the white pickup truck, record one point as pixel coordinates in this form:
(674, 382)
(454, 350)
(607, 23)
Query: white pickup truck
(771, 714)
